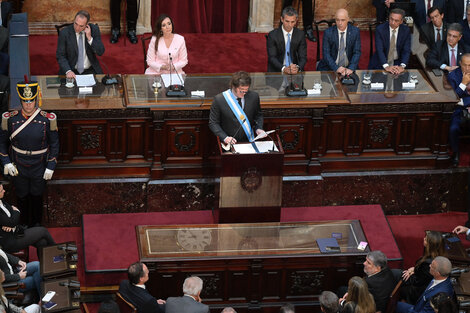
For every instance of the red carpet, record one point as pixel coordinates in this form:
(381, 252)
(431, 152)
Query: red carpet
(207, 53)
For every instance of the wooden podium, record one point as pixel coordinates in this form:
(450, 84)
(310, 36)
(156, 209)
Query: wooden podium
(251, 186)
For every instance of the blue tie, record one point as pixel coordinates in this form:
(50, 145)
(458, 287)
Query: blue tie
(287, 57)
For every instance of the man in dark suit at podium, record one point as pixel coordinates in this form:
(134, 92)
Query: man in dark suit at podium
(446, 54)
(75, 58)
(236, 112)
(133, 290)
(286, 45)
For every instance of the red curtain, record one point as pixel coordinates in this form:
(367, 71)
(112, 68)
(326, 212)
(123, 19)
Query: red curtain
(205, 16)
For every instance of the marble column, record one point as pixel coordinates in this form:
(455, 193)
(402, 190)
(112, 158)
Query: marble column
(261, 16)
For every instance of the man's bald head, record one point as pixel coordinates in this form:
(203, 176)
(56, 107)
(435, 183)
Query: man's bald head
(342, 19)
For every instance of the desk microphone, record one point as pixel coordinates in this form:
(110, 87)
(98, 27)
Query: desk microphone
(228, 147)
(175, 90)
(107, 79)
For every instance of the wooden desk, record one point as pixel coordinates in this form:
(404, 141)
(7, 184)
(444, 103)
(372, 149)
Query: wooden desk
(251, 266)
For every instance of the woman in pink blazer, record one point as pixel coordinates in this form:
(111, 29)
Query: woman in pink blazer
(165, 45)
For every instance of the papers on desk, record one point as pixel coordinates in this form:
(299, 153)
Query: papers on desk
(263, 147)
(85, 80)
(262, 134)
(174, 78)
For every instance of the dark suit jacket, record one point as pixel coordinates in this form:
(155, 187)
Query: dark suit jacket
(276, 47)
(454, 11)
(419, 16)
(331, 47)
(455, 78)
(427, 34)
(185, 304)
(223, 122)
(423, 305)
(140, 298)
(466, 31)
(382, 44)
(6, 12)
(67, 49)
(381, 286)
(440, 54)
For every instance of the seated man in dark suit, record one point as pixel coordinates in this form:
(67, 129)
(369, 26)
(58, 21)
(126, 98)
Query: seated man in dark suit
(440, 269)
(5, 12)
(341, 46)
(286, 45)
(77, 47)
(380, 279)
(446, 54)
(392, 44)
(466, 27)
(191, 302)
(436, 29)
(236, 112)
(133, 290)
(421, 13)
(455, 11)
(459, 79)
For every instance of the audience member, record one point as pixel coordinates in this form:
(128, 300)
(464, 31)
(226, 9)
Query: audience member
(5, 12)
(436, 29)
(381, 8)
(191, 301)
(392, 44)
(77, 47)
(440, 270)
(459, 79)
(109, 306)
(165, 48)
(29, 147)
(131, 16)
(234, 107)
(8, 307)
(329, 302)
(446, 54)
(466, 27)
(417, 278)
(229, 309)
(133, 290)
(443, 303)
(341, 46)
(307, 17)
(358, 298)
(286, 45)
(14, 237)
(462, 230)
(455, 11)
(422, 9)
(379, 278)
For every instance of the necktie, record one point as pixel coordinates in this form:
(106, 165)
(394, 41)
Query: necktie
(342, 51)
(438, 34)
(391, 50)
(452, 58)
(81, 55)
(465, 11)
(288, 51)
(240, 102)
(427, 10)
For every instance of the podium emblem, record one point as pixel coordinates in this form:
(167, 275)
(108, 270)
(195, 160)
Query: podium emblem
(251, 179)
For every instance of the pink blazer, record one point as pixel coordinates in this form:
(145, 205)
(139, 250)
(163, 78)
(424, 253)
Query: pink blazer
(178, 54)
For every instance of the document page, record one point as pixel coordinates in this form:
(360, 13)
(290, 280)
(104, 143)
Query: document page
(263, 147)
(85, 80)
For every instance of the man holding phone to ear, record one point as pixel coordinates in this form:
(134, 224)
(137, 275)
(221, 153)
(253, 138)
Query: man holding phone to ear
(77, 47)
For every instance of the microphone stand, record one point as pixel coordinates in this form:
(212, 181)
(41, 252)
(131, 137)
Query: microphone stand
(176, 90)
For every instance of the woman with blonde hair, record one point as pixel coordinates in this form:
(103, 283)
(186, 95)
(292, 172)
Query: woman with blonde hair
(358, 299)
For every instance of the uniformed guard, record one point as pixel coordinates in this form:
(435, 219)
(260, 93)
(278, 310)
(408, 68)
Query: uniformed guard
(29, 146)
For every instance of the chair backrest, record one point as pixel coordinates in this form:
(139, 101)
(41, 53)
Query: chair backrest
(392, 301)
(144, 49)
(330, 23)
(124, 305)
(59, 27)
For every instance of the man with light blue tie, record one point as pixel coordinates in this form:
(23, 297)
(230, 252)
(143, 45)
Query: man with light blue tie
(286, 45)
(440, 269)
(341, 46)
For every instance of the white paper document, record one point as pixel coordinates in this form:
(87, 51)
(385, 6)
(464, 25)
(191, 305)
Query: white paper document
(262, 135)
(175, 80)
(263, 146)
(85, 80)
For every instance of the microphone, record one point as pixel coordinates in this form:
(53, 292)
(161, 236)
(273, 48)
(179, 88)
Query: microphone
(107, 79)
(294, 90)
(457, 271)
(228, 147)
(175, 90)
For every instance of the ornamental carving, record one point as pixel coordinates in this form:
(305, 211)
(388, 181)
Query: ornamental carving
(251, 180)
(379, 132)
(185, 141)
(289, 145)
(305, 282)
(211, 285)
(89, 140)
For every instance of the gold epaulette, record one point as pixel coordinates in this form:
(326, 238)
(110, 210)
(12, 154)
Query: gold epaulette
(52, 119)
(5, 117)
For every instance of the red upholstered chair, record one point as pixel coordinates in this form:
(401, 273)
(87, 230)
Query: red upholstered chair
(124, 305)
(144, 48)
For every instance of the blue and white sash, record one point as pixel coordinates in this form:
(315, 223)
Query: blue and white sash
(240, 115)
